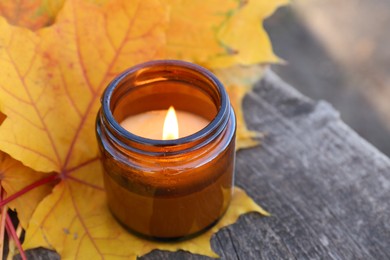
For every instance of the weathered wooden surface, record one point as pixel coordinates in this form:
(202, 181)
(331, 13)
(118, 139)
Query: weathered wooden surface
(316, 73)
(327, 189)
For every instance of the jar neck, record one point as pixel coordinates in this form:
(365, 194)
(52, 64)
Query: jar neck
(152, 75)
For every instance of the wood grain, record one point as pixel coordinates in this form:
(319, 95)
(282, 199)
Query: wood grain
(328, 189)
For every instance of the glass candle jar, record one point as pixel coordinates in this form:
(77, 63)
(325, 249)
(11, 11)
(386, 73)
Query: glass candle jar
(167, 189)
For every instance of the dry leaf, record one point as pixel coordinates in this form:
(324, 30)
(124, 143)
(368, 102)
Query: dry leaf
(50, 86)
(32, 14)
(15, 176)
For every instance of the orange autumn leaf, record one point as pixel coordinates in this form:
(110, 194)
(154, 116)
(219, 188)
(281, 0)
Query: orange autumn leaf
(32, 14)
(50, 85)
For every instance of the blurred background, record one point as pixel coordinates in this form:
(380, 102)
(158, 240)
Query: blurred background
(339, 51)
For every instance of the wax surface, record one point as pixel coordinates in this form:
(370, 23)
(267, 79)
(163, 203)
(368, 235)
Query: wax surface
(150, 124)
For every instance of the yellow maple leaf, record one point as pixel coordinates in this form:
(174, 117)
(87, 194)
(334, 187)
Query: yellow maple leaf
(14, 176)
(244, 35)
(220, 33)
(79, 229)
(50, 85)
(192, 29)
(57, 73)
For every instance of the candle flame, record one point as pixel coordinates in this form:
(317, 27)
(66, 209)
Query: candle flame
(171, 127)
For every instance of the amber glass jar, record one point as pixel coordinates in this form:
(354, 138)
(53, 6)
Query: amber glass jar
(167, 189)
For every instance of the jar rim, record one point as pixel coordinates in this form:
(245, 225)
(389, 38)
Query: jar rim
(214, 124)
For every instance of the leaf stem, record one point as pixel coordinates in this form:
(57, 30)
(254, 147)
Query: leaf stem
(28, 188)
(2, 222)
(12, 233)
(2, 228)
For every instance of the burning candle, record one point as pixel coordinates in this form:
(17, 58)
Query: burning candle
(164, 124)
(167, 177)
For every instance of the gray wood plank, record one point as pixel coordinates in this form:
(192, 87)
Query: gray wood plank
(328, 189)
